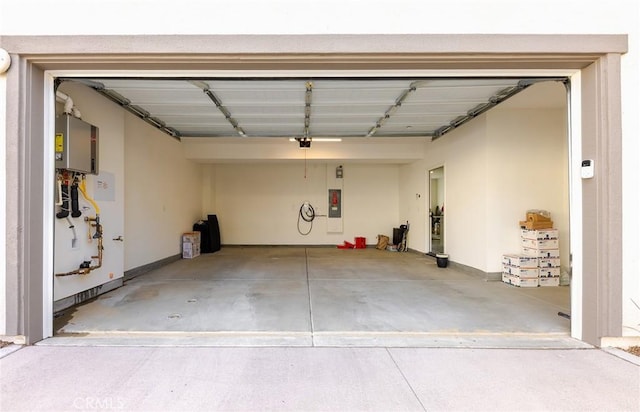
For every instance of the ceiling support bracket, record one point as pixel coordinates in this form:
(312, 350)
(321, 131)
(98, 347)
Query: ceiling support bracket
(225, 112)
(391, 110)
(307, 108)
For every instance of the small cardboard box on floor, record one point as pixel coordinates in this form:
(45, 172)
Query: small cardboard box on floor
(190, 245)
(190, 250)
(525, 282)
(520, 281)
(553, 281)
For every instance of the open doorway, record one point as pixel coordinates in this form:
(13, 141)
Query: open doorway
(436, 211)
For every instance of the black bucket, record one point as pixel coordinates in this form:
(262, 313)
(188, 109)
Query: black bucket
(442, 260)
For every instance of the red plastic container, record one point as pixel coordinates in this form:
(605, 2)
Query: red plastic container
(361, 242)
(346, 245)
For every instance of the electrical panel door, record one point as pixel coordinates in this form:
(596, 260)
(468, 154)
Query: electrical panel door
(335, 203)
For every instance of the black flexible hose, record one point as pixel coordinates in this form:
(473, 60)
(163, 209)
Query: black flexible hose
(64, 209)
(308, 214)
(75, 205)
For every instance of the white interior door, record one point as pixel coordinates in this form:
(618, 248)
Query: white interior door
(436, 211)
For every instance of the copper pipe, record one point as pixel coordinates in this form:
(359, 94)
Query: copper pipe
(86, 271)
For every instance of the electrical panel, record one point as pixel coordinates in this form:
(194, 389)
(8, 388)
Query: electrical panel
(76, 145)
(335, 203)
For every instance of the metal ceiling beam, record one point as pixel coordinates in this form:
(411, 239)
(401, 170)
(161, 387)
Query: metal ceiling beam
(461, 119)
(391, 110)
(496, 99)
(133, 109)
(225, 112)
(307, 108)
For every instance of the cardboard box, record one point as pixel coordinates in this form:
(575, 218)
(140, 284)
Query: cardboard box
(538, 216)
(506, 278)
(541, 234)
(541, 253)
(521, 272)
(536, 221)
(550, 281)
(540, 244)
(525, 282)
(526, 224)
(549, 262)
(191, 237)
(190, 250)
(549, 272)
(520, 261)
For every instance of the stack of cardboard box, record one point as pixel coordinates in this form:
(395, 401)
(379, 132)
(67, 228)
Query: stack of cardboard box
(544, 245)
(539, 262)
(190, 245)
(520, 270)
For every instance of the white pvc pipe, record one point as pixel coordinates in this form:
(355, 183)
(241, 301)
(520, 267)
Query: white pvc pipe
(69, 108)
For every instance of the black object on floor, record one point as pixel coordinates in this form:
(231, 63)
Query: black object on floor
(214, 233)
(397, 235)
(442, 259)
(205, 238)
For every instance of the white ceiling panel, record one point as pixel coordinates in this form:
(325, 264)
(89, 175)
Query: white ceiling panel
(283, 130)
(270, 109)
(206, 130)
(149, 96)
(172, 109)
(350, 107)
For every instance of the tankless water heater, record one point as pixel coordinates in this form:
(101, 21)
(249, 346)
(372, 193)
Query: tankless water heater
(76, 145)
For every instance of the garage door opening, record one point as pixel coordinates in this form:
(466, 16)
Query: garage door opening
(161, 171)
(592, 62)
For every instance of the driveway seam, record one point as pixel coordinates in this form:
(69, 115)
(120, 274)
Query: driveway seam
(406, 380)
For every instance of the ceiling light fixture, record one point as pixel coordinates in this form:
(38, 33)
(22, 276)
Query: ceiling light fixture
(317, 139)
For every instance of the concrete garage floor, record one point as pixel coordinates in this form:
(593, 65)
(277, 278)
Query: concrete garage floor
(295, 296)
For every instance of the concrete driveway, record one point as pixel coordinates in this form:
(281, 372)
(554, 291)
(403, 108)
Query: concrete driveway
(66, 378)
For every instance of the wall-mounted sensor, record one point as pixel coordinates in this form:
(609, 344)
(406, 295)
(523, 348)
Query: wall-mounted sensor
(5, 61)
(339, 173)
(586, 171)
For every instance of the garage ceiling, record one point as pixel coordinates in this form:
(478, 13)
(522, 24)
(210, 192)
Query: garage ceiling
(308, 108)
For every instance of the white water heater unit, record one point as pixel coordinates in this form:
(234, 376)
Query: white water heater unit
(76, 145)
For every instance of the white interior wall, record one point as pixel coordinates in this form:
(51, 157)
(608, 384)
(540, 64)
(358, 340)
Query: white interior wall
(208, 189)
(465, 180)
(462, 152)
(258, 203)
(527, 169)
(109, 118)
(490, 183)
(163, 194)
(413, 202)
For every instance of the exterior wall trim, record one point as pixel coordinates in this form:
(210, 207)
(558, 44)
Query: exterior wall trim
(598, 55)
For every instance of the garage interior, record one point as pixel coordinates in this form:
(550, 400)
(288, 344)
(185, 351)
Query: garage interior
(173, 151)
